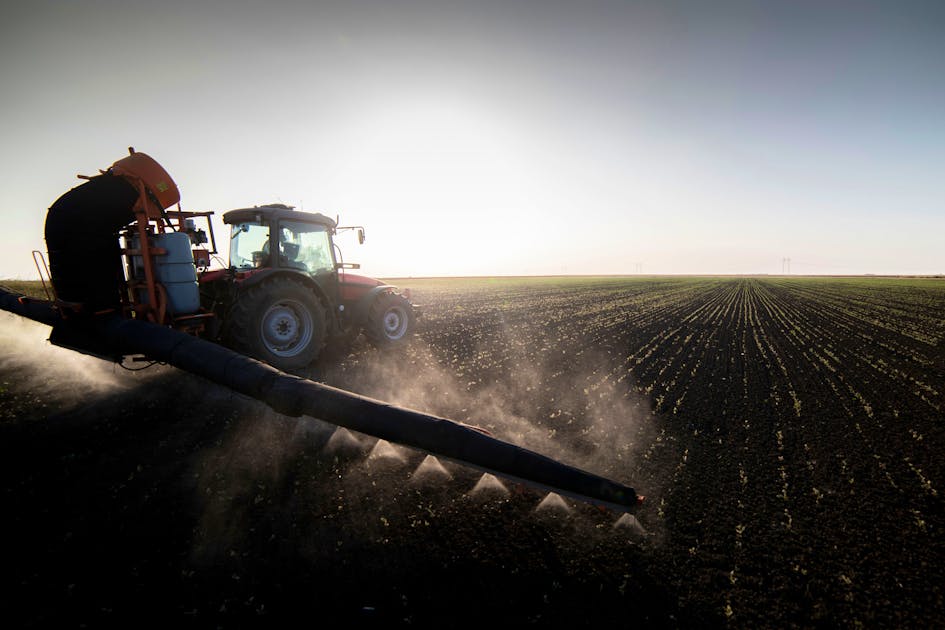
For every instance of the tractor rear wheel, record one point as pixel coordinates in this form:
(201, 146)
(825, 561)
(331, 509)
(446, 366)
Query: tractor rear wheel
(390, 320)
(281, 322)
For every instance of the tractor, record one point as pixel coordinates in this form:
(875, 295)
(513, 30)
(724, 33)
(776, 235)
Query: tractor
(286, 291)
(284, 295)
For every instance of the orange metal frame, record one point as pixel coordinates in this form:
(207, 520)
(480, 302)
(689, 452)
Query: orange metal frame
(156, 192)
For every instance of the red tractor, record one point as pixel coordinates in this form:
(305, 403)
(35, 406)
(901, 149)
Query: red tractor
(284, 295)
(287, 291)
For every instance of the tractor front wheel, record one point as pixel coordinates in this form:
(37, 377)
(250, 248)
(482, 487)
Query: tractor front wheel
(281, 322)
(390, 320)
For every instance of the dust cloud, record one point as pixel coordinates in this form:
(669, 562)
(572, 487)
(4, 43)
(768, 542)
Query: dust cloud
(58, 377)
(577, 412)
(570, 407)
(245, 472)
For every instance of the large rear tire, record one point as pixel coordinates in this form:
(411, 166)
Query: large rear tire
(390, 321)
(281, 322)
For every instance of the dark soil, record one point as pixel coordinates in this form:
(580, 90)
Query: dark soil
(787, 434)
(162, 499)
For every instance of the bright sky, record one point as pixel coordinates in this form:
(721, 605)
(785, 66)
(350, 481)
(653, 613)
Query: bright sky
(504, 138)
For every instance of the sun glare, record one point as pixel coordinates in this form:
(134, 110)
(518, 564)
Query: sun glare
(458, 170)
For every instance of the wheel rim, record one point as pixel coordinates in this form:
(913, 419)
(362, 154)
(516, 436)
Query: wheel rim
(395, 323)
(286, 328)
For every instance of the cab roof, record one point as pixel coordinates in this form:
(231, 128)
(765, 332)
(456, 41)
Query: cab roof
(276, 211)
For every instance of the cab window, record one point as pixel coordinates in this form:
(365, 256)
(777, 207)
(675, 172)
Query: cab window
(249, 246)
(305, 246)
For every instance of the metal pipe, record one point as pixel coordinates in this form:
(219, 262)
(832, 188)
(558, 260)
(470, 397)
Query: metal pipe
(295, 396)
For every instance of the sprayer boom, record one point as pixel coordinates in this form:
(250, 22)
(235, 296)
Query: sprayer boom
(112, 335)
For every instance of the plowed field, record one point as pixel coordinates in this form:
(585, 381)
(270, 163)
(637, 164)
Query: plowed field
(788, 433)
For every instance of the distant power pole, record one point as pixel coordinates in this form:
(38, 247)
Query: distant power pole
(785, 265)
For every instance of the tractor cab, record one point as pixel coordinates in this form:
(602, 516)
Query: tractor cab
(276, 236)
(302, 242)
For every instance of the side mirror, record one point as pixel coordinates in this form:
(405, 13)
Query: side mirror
(361, 236)
(347, 266)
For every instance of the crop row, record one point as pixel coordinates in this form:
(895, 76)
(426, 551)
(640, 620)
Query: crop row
(793, 435)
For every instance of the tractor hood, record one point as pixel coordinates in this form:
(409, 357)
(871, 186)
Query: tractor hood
(355, 279)
(353, 286)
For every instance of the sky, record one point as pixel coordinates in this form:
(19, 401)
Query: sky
(503, 138)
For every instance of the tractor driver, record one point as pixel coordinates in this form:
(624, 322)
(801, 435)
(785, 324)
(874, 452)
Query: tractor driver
(289, 253)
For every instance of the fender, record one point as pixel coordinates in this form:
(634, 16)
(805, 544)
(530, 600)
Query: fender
(363, 306)
(255, 277)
